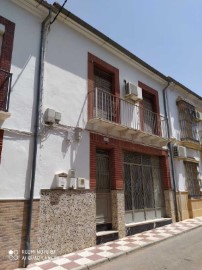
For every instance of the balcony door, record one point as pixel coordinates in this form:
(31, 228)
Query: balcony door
(103, 85)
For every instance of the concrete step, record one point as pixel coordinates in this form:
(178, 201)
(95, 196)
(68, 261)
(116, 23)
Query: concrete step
(106, 236)
(139, 227)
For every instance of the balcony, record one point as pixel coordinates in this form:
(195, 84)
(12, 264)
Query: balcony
(5, 90)
(113, 115)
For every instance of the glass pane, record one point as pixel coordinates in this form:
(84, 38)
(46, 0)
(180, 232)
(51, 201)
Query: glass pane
(148, 187)
(157, 185)
(137, 187)
(139, 216)
(102, 172)
(128, 190)
(150, 214)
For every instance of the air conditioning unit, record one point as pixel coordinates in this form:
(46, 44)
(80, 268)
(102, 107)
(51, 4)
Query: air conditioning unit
(61, 180)
(81, 183)
(133, 92)
(198, 116)
(179, 151)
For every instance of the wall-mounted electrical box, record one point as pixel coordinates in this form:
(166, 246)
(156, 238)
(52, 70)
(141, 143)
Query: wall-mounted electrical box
(49, 116)
(77, 134)
(69, 136)
(61, 180)
(57, 117)
(133, 92)
(81, 183)
(72, 173)
(72, 183)
(52, 117)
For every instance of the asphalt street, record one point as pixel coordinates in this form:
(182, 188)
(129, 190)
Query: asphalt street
(183, 252)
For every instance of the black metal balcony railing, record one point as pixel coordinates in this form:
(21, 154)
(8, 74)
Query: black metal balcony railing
(117, 110)
(5, 89)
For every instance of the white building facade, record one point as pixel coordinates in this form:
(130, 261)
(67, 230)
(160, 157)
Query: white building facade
(85, 142)
(184, 109)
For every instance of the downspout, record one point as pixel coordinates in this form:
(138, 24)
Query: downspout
(170, 150)
(44, 26)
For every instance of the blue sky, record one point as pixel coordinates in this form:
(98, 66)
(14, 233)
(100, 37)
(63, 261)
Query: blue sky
(167, 34)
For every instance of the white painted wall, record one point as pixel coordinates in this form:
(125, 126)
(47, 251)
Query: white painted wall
(66, 73)
(65, 91)
(15, 161)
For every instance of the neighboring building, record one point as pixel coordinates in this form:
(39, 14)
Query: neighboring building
(95, 114)
(185, 116)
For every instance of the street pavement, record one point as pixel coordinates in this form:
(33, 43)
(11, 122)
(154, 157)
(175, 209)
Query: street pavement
(92, 257)
(183, 252)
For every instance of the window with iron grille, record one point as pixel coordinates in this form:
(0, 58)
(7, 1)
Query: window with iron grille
(187, 119)
(192, 180)
(143, 187)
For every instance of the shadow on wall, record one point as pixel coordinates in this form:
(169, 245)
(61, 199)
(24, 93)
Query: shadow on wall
(60, 43)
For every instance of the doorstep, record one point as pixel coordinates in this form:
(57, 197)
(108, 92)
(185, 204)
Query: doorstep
(138, 227)
(106, 236)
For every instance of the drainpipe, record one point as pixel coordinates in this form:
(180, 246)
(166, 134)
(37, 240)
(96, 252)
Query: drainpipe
(44, 27)
(170, 149)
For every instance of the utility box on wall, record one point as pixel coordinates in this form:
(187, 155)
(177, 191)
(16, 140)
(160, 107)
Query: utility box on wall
(61, 180)
(81, 183)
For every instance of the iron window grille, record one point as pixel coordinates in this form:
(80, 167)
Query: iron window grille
(5, 89)
(187, 119)
(194, 185)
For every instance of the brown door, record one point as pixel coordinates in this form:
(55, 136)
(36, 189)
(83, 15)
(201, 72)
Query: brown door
(103, 194)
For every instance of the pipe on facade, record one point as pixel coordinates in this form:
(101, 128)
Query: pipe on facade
(44, 26)
(170, 149)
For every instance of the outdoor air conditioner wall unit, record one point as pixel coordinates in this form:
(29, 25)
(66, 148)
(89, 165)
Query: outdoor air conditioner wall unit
(198, 116)
(133, 92)
(179, 151)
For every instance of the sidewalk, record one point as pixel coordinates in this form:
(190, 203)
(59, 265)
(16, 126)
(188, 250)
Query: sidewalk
(89, 257)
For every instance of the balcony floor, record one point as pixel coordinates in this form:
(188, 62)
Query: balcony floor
(107, 127)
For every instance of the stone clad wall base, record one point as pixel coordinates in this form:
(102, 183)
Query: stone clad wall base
(118, 212)
(169, 204)
(195, 207)
(67, 220)
(182, 203)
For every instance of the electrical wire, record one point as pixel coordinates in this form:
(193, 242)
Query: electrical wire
(58, 12)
